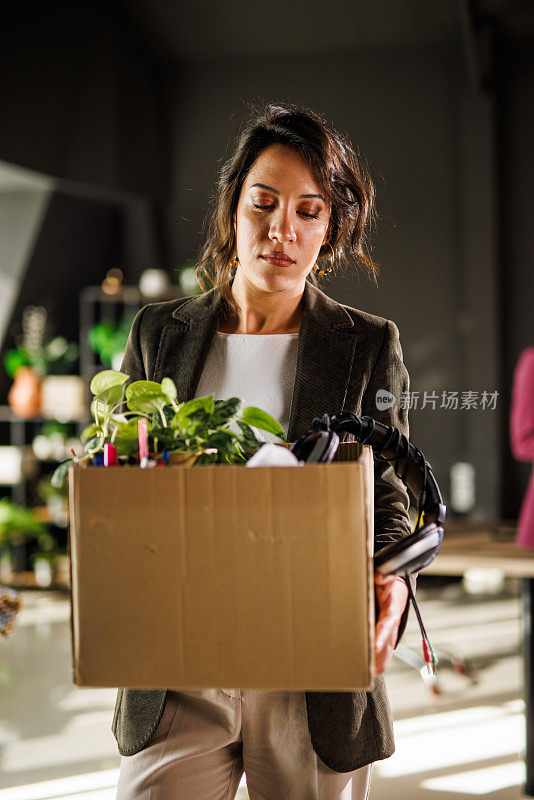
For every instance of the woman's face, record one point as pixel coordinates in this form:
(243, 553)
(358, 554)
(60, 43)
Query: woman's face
(280, 213)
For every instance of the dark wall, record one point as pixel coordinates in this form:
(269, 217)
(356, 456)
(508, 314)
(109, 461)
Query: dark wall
(82, 96)
(83, 101)
(79, 241)
(429, 145)
(516, 129)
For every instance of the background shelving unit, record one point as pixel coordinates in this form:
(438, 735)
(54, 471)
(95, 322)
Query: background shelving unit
(95, 306)
(19, 433)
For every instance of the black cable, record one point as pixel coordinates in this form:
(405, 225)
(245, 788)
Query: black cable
(416, 608)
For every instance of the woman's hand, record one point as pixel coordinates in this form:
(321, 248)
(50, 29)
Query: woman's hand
(392, 596)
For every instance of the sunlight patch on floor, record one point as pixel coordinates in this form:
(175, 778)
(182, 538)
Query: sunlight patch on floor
(479, 781)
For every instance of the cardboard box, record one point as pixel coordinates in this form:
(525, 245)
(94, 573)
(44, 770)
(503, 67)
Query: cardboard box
(224, 576)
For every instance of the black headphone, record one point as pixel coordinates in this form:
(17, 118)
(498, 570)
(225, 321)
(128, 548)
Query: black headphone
(414, 552)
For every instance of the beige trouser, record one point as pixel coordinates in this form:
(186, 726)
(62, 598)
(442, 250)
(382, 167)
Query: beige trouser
(207, 738)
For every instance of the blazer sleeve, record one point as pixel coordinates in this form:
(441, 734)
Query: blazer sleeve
(133, 361)
(391, 519)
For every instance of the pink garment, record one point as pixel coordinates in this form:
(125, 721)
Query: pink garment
(522, 438)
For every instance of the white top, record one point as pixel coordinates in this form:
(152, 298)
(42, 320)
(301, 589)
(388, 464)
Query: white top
(258, 368)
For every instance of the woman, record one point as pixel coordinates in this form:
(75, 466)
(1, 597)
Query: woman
(292, 192)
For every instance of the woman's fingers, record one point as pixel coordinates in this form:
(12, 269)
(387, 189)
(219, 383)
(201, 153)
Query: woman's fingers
(392, 595)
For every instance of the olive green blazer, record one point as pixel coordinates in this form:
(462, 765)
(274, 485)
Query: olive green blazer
(344, 357)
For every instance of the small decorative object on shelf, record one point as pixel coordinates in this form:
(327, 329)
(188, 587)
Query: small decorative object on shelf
(24, 397)
(112, 283)
(145, 421)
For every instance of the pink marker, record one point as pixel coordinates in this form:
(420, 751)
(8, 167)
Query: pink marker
(110, 455)
(142, 433)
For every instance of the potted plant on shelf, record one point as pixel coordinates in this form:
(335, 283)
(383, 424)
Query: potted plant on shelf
(36, 356)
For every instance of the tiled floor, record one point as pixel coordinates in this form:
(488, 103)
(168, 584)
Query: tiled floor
(466, 741)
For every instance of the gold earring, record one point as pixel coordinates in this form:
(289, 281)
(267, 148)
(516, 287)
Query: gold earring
(235, 261)
(318, 269)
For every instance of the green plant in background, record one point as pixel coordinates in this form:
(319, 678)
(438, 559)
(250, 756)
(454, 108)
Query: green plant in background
(54, 426)
(55, 499)
(46, 492)
(108, 339)
(192, 427)
(19, 524)
(45, 356)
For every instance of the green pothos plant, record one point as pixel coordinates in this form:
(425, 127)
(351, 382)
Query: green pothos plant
(198, 427)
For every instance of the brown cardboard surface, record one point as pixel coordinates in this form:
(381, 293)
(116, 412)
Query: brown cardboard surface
(213, 576)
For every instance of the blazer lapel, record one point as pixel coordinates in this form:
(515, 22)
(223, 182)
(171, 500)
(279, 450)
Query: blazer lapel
(326, 348)
(186, 341)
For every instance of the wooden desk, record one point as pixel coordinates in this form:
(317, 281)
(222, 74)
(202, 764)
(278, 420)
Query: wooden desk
(465, 550)
(467, 547)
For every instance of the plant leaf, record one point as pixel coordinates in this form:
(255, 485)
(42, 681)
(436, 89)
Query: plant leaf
(14, 360)
(206, 458)
(223, 440)
(224, 410)
(125, 437)
(241, 456)
(191, 415)
(168, 413)
(169, 389)
(98, 407)
(248, 433)
(119, 418)
(108, 385)
(260, 419)
(60, 473)
(145, 396)
(90, 432)
(94, 445)
(127, 431)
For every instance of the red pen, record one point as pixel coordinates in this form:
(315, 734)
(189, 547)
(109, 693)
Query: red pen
(142, 434)
(110, 455)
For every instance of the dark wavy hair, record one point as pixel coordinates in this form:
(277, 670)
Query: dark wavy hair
(339, 171)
